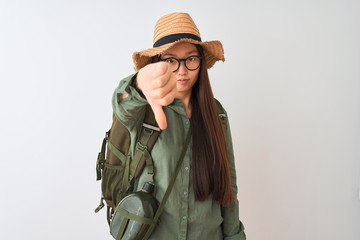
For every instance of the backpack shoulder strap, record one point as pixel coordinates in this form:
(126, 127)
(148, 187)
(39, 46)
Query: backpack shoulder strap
(147, 138)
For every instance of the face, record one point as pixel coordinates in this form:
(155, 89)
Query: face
(185, 78)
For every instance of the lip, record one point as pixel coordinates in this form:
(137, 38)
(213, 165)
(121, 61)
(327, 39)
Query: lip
(182, 81)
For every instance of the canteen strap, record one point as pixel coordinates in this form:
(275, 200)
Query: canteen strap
(171, 184)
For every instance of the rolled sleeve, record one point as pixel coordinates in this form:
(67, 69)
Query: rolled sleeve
(130, 110)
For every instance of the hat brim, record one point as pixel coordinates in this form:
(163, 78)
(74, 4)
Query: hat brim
(213, 51)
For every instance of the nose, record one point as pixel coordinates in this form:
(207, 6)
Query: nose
(182, 69)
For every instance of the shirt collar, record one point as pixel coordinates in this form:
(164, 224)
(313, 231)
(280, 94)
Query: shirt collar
(177, 106)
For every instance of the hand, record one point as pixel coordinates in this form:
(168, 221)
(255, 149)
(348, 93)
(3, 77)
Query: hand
(158, 85)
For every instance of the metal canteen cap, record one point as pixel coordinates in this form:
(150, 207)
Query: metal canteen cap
(148, 187)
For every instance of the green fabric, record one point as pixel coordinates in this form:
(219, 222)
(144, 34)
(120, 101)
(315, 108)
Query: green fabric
(150, 166)
(115, 151)
(125, 184)
(144, 145)
(122, 228)
(101, 159)
(140, 150)
(182, 217)
(170, 187)
(134, 217)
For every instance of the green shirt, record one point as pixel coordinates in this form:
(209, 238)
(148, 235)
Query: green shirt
(183, 217)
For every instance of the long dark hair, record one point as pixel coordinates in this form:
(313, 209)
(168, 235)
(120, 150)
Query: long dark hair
(210, 165)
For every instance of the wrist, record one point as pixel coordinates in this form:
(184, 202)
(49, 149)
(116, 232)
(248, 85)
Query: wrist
(135, 85)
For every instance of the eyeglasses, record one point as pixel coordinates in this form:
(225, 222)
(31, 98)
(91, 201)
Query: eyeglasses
(191, 63)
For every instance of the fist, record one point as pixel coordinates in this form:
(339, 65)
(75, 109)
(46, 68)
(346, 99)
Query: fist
(158, 84)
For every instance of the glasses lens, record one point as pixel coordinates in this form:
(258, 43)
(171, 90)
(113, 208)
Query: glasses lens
(192, 62)
(173, 63)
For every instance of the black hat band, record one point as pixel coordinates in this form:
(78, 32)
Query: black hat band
(175, 37)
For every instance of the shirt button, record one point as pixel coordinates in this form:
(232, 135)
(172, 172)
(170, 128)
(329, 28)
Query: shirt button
(184, 217)
(185, 192)
(186, 122)
(186, 168)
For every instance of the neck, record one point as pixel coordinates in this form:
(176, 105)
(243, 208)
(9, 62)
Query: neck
(187, 107)
(186, 102)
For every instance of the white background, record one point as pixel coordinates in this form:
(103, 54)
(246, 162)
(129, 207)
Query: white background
(290, 83)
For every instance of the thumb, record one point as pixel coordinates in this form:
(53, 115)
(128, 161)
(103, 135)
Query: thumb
(159, 115)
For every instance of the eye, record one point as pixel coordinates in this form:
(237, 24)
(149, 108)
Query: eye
(193, 59)
(170, 60)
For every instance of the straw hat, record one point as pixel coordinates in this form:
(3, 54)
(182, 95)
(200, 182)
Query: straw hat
(172, 29)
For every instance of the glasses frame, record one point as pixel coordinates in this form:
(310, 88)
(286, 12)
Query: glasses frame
(182, 60)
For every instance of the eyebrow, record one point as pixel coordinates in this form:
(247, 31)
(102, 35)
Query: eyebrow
(188, 53)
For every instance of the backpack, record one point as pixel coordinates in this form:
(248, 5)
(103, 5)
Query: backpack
(116, 168)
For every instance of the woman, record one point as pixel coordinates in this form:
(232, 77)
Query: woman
(172, 77)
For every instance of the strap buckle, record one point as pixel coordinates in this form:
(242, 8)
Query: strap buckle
(141, 147)
(101, 205)
(100, 165)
